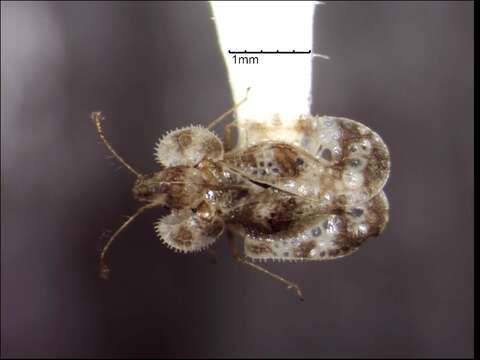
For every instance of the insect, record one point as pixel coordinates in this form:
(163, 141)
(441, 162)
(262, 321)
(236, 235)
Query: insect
(317, 196)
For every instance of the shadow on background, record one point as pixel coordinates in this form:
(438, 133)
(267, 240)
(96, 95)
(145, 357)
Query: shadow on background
(403, 69)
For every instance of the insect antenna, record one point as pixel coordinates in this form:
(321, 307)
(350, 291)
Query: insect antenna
(97, 117)
(104, 270)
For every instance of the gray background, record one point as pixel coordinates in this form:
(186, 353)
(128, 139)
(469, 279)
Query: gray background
(404, 69)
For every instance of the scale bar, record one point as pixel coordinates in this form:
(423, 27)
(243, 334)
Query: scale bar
(269, 52)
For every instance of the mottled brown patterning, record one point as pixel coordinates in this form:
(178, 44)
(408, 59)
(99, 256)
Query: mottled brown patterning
(307, 190)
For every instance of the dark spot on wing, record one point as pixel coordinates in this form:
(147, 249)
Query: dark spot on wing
(327, 154)
(356, 212)
(316, 231)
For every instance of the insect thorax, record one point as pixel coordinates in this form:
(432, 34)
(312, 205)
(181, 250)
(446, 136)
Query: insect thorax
(202, 200)
(175, 187)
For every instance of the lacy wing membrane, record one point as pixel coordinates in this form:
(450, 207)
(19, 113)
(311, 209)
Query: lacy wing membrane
(336, 160)
(309, 233)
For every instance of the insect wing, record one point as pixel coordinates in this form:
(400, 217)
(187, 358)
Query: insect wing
(336, 160)
(322, 236)
(282, 166)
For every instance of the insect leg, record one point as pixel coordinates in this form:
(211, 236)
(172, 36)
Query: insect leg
(240, 258)
(97, 117)
(104, 270)
(228, 112)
